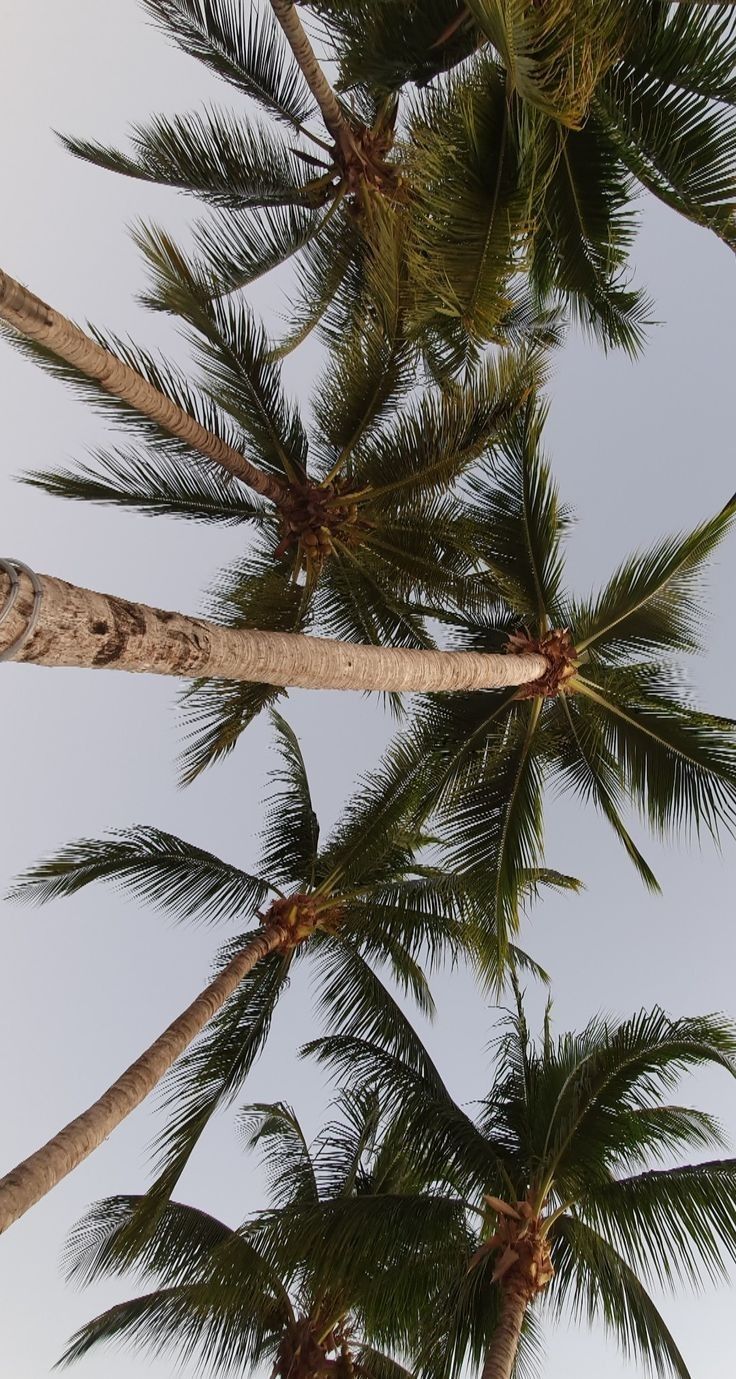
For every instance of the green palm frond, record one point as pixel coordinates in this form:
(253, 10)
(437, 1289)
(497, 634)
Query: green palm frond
(100, 1244)
(676, 762)
(212, 1071)
(673, 1224)
(291, 831)
(274, 1129)
(160, 484)
(354, 1000)
(231, 252)
(177, 877)
(584, 234)
(652, 602)
(492, 827)
(593, 1282)
(435, 436)
(243, 44)
(521, 520)
(469, 224)
(693, 47)
(211, 153)
(678, 144)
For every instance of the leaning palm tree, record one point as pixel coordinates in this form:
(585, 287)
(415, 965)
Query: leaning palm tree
(612, 721)
(566, 1175)
(578, 106)
(358, 900)
(218, 1291)
(361, 519)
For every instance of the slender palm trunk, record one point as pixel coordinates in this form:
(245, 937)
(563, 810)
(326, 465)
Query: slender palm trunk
(72, 626)
(501, 1353)
(32, 317)
(30, 1180)
(334, 120)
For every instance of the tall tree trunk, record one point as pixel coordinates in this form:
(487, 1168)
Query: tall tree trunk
(334, 120)
(32, 317)
(501, 1353)
(76, 627)
(30, 1180)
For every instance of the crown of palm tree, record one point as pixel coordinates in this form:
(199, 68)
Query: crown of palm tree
(366, 520)
(278, 189)
(567, 108)
(219, 1293)
(613, 722)
(566, 1175)
(355, 904)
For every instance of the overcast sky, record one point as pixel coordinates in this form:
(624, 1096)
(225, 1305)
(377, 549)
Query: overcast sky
(86, 984)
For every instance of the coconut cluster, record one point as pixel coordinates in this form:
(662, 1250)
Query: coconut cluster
(313, 515)
(562, 661)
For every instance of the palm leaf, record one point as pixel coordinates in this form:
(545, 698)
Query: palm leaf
(242, 44)
(179, 878)
(291, 831)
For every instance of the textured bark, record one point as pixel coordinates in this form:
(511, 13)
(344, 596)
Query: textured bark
(33, 318)
(501, 1353)
(318, 84)
(30, 1180)
(77, 627)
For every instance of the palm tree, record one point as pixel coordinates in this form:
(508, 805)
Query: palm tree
(572, 107)
(612, 721)
(359, 899)
(218, 1292)
(567, 1175)
(362, 520)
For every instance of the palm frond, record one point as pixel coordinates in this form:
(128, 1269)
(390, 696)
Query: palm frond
(213, 154)
(275, 1130)
(243, 44)
(177, 877)
(152, 480)
(291, 830)
(593, 1282)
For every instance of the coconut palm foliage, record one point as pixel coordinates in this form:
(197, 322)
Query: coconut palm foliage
(574, 1176)
(614, 722)
(277, 187)
(571, 108)
(355, 904)
(219, 1294)
(277, 192)
(366, 521)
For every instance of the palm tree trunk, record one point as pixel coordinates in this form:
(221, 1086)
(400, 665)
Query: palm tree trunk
(30, 1180)
(334, 120)
(501, 1353)
(72, 626)
(32, 317)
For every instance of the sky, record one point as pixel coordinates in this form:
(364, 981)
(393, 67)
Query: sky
(639, 449)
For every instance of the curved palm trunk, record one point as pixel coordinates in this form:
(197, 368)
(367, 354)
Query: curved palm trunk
(77, 627)
(334, 120)
(34, 318)
(30, 1180)
(501, 1353)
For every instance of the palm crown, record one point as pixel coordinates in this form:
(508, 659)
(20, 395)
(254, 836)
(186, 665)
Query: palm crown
(613, 721)
(566, 1175)
(356, 903)
(365, 519)
(219, 1292)
(540, 142)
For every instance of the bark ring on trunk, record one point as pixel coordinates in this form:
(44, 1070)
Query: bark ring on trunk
(14, 568)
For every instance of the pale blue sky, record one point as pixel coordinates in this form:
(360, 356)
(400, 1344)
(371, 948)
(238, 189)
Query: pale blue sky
(84, 985)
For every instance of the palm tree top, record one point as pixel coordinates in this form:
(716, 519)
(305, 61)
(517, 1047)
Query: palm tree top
(566, 1172)
(219, 1292)
(613, 722)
